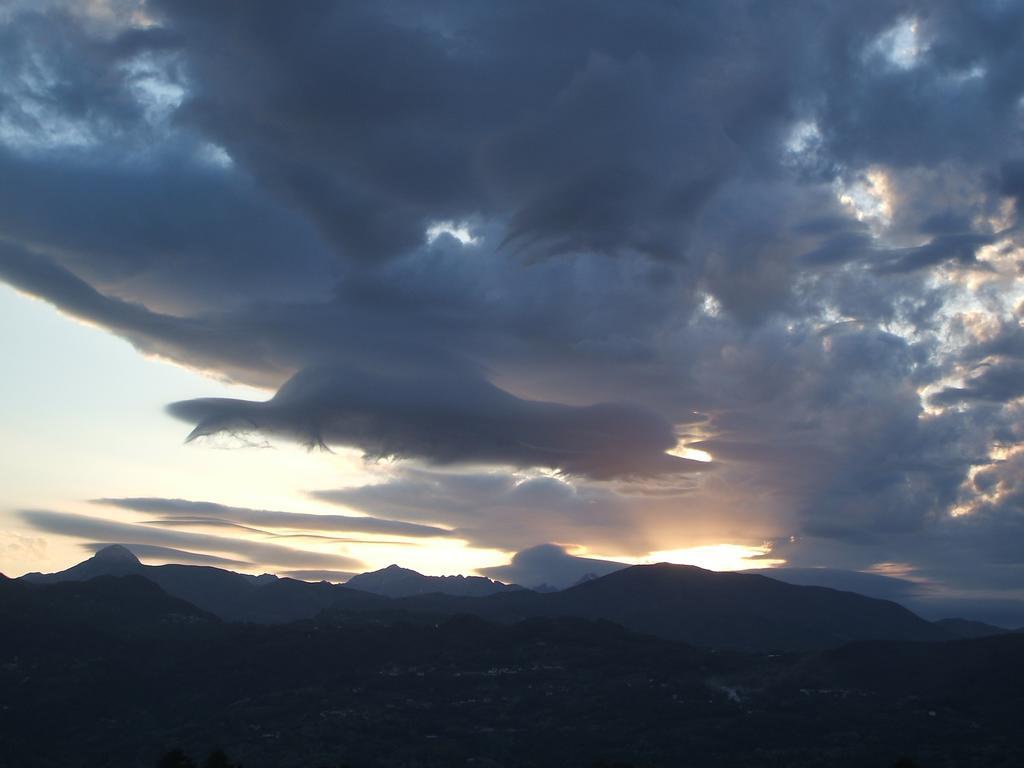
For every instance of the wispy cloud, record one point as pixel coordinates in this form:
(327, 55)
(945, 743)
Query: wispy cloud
(99, 529)
(189, 512)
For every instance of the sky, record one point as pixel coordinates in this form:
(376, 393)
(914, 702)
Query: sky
(522, 289)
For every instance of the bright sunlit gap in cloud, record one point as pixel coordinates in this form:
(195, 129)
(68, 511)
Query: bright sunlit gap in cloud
(710, 306)
(900, 45)
(976, 492)
(154, 86)
(979, 302)
(868, 196)
(460, 231)
(803, 141)
(718, 557)
(892, 569)
(685, 452)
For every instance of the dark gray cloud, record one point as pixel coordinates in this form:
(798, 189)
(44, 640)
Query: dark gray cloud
(788, 233)
(448, 418)
(178, 262)
(995, 381)
(960, 247)
(549, 565)
(551, 140)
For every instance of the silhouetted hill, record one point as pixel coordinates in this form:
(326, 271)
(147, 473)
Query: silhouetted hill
(967, 629)
(105, 603)
(229, 595)
(706, 608)
(395, 581)
(738, 610)
(114, 560)
(991, 667)
(675, 602)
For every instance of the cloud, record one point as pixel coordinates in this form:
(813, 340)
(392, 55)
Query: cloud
(207, 511)
(98, 529)
(927, 599)
(991, 382)
(551, 565)
(870, 584)
(448, 419)
(180, 263)
(18, 545)
(508, 510)
(577, 170)
(765, 234)
(171, 555)
(336, 577)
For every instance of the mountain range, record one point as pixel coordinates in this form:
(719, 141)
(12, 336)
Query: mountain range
(231, 596)
(747, 612)
(395, 581)
(704, 608)
(114, 603)
(113, 671)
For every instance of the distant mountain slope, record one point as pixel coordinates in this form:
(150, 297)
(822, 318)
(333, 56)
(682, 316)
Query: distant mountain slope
(966, 629)
(706, 608)
(739, 610)
(918, 596)
(395, 581)
(226, 594)
(114, 560)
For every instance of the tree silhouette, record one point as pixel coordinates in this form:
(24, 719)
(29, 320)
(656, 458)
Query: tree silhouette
(218, 759)
(176, 758)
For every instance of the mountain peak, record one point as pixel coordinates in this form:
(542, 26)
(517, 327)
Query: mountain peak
(396, 581)
(116, 553)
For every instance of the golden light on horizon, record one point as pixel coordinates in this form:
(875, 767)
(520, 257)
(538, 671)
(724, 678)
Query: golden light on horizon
(718, 557)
